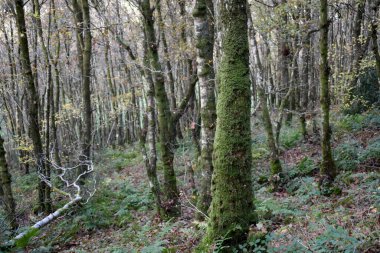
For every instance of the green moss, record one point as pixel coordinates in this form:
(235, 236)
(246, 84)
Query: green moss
(275, 167)
(327, 170)
(23, 241)
(232, 209)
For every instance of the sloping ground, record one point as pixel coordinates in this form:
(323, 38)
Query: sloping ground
(120, 217)
(299, 219)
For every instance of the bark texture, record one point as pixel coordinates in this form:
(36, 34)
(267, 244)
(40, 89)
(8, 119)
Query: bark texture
(165, 118)
(5, 185)
(205, 47)
(32, 98)
(327, 169)
(232, 206)
(86, 79)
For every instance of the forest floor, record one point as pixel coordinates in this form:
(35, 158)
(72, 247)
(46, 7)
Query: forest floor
(120, 216)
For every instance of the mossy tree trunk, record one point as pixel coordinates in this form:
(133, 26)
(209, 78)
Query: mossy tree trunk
(148, 134)
(327, 169)
(232, 209)
(304, 89)
(147, 131)
(274, 162)
(6, 187)
(205, 48)
(165, 117)
(168, 65)
(375, 46)
(32, 98)
(358, 49)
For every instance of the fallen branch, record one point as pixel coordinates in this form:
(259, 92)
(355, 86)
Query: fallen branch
(77, 196)
(45, 221)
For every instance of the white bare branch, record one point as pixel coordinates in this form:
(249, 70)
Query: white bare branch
(74, 191)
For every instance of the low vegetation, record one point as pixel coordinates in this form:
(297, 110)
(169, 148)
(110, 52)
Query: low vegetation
(120, 217)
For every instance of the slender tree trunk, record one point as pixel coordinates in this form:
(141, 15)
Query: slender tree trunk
(305, 79)
(49, 91)
(86, 79)
(32, 97)
(148, 132)
(327, 169)
(165, 118)
(5, 186)
(358, 48)
(375, 46)
(205, 48)
(168, 64)
(274, 163)
(113, 90)
(232, 209)
(78, 21)
(56, 101)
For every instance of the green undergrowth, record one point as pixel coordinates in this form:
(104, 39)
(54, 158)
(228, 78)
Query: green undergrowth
(112, 206)
(290, 136)
(119, 159)
(349, 124)
(351, 155)
(299, 218)
(120, 217)
(302, 220)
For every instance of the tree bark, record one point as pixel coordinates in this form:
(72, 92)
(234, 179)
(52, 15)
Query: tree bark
(232, 209)
(274, 163)
(358, 48)
(86, 81)
(6, 187)
(306, 43)
(49, 91)
(327, 169)
(165, 118)
(375, 46)
(205, 47)
(32, 97)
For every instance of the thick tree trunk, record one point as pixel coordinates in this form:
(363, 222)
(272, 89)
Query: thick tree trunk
(327, 169)
(232, 209)
(205, 48)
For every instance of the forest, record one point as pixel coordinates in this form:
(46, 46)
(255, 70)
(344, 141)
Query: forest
(163, 126)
